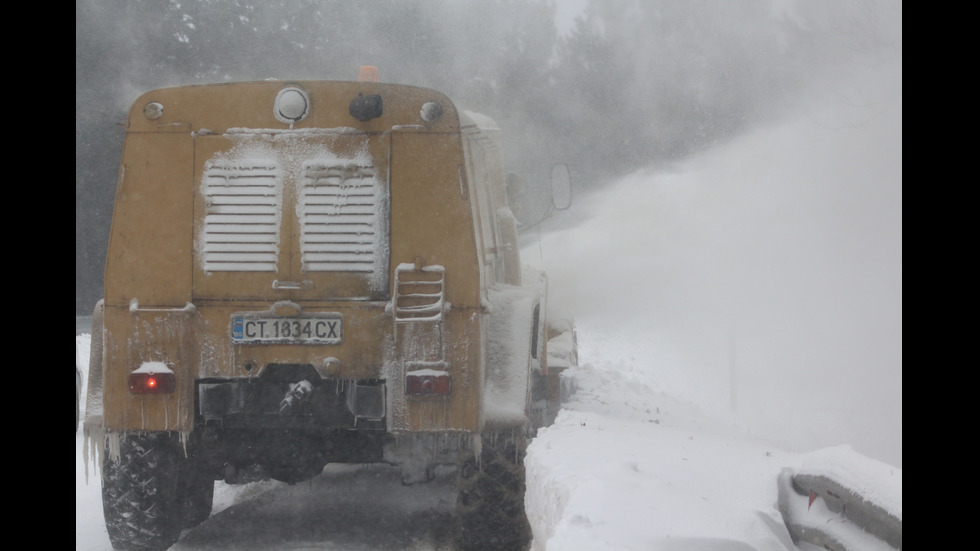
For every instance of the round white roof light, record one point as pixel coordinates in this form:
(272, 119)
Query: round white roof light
(292, 105)
(431, 111)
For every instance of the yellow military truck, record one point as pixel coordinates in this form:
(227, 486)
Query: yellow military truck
(303, 273)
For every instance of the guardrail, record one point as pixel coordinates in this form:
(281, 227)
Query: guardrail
(841, 501)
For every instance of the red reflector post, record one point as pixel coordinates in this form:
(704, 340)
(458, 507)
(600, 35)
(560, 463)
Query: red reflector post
(152, 378)
(427, 382)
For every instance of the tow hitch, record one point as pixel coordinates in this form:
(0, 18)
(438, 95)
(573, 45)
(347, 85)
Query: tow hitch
(298, 393)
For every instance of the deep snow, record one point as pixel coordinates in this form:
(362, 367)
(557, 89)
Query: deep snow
(626, 466)
(738, 314)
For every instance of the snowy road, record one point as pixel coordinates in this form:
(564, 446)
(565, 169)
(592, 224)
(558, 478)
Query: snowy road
(344, 509)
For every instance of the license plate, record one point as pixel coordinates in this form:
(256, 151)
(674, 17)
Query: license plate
(316, 329)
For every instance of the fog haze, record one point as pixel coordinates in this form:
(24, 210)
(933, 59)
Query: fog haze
(616, 86)
(761, 278)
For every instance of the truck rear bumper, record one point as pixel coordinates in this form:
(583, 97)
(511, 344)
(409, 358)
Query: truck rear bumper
(292, 429)
(310, 403)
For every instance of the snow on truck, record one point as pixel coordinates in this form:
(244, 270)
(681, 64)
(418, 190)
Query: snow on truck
(303, 273)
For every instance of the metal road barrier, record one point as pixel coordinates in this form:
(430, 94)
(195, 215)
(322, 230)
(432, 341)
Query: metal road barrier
(838, 507)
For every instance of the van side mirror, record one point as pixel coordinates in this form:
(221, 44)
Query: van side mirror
(561, 187)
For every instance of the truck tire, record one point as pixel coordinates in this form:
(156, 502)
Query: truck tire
(490, 500)
(140, 492)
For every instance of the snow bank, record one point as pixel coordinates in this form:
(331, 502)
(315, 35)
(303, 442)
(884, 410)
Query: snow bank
(600, 482)
(625, 466)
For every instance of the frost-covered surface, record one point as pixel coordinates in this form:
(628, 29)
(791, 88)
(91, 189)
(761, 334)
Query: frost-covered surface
(153, 367)
(821, 526)
(342, 216)
(424, 296)
(342, 205)
(561, 350)
(241, 229)
(839, 499)
(508, 354)
(875, 481)
(83, 346)
(482, 121)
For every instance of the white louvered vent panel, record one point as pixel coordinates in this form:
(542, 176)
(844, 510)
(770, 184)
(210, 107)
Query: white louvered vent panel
(419, 294)
(241, 224)
(339, 218)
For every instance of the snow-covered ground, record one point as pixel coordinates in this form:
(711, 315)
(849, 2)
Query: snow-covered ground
(738, 314)
(628, 466)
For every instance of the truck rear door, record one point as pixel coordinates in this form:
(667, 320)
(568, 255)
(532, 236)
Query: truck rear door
(291, 215)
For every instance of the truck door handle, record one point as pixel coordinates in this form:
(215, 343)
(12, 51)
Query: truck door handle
(292, 285)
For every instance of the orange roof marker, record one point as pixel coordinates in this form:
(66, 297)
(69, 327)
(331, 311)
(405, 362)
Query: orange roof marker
(368, 73)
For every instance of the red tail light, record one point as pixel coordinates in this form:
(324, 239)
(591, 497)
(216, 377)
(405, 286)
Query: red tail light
(149, 382)
(427, 382)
